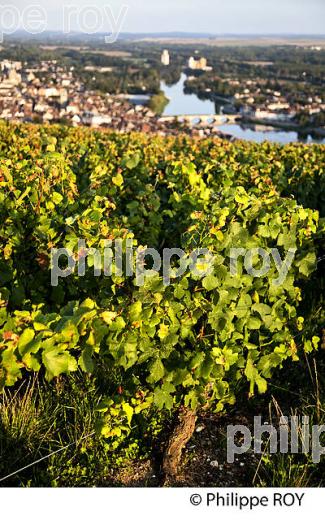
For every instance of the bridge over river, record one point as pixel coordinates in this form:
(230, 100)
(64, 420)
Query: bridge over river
(202, 119)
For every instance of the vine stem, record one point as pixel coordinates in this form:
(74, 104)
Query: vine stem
(177, 441)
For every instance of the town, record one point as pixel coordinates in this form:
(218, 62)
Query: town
(62, 98)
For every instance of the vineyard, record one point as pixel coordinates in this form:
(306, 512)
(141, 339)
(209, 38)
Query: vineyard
(156, 354)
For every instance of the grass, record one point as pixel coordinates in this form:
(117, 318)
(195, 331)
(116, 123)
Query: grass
(38, 420)
(304, 396)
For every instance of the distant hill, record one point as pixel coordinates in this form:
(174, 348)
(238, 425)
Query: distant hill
(58, 37)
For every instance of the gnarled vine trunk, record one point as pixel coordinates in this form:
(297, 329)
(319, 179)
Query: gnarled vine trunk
(177, 441)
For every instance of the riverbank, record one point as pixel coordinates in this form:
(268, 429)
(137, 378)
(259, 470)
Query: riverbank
(290, 127)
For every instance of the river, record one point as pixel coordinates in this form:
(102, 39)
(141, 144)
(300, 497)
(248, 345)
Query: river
(190, 104)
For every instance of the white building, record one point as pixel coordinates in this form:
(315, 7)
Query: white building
(199, 64)
(50, 92)
(165, 58)
(278, 106)
(10, 65)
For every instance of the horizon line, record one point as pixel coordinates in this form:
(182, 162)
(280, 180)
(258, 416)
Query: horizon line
(185, 33)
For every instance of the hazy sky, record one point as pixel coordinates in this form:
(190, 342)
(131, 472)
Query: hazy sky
(213, 16)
